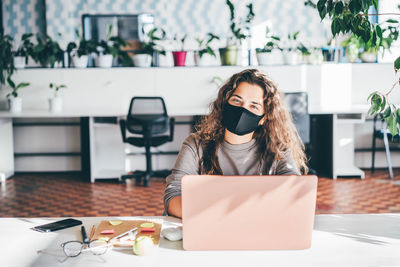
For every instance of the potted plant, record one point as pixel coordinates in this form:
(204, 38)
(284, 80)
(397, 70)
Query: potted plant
(55, 102)
(7, 62)
(24, 50)
(110, 49)
(150, 48)
(290, 55)
(229, 54)
(266, 55)
(205, 54)
(14, 101)
(180, 55)
(79, 53)
(47, 52)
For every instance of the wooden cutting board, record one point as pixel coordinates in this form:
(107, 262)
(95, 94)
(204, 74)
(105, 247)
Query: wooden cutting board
(126, 226)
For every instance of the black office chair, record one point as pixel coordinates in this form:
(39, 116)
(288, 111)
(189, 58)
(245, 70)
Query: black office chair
(147, 117)
(297, 104)
(382, 133)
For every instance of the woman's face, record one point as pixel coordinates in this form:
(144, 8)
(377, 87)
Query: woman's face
(250, 97)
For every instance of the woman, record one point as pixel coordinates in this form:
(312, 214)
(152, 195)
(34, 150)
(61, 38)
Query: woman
(248, 132)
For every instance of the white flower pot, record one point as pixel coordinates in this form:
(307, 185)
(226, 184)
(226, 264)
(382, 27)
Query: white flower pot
(15, 104)
(55, 104)
(272, 58)
(80, 62)
(19, 62)
(265, 58)
(142, 60)
(290, 58)
(368, 57)
(104, 61)
(205, 60)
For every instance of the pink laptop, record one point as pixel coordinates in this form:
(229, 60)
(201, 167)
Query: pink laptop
(248, 212)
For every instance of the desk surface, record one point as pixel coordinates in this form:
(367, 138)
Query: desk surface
(338, 240)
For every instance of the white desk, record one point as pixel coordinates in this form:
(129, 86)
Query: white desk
(108, 161)
(338, 240)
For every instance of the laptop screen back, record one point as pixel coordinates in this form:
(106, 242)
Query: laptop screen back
(248, 212)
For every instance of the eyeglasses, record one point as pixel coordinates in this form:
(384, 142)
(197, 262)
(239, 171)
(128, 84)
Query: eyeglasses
(75, 248)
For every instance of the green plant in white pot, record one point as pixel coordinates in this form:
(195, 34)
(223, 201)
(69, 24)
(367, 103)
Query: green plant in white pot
(290, 50)
(229, 54)
(150, 47)
(15, 102)
(109, 49)
(47, 52)
(56, 102)
(79, 53)
(270, 53)
(205, 55)
(24, 50)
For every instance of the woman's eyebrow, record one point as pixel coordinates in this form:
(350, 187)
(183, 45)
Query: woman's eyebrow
(238, 96)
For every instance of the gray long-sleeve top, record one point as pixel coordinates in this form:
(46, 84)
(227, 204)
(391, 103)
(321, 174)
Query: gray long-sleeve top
(233, 159)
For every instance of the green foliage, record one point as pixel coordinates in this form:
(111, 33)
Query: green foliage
(84, 47)
(293, 45)
(391, 114)
(15, 87)
(47, 51)
(6, 58)
(180, 41)
(204, 45)
(113, 46)
(351, 16)
(238, 26)
(272, 42)
(56, 88)
(150, 46)
(26, 47)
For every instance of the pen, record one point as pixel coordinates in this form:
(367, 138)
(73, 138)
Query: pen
(92, 233)
(85, 238)
(124, 233)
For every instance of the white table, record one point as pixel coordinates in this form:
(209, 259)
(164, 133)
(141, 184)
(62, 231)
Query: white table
(338, 240)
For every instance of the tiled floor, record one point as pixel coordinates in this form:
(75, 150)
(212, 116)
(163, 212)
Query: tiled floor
(67, 195)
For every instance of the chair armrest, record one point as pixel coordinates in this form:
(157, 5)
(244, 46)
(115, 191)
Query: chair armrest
(122, 126)
(171, 128)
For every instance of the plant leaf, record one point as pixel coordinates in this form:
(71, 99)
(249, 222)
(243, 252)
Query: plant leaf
(339, 8)
(397, 64)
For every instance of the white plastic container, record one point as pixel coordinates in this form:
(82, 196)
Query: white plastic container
(142, 60)
(15, 104)
(19, 62)
(104, 61)
(80, 62)
(55, 104)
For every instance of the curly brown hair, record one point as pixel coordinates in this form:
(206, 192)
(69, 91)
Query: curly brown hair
(275, 137)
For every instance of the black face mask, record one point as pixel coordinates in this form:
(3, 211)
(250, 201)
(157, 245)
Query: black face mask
(239, 120)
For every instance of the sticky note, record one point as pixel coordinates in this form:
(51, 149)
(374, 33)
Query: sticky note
(107, 232)
(147, 230)
(147, 225)
(115, 222)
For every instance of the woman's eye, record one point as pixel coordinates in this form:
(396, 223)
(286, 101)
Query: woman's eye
(235, 100)
(254, 107)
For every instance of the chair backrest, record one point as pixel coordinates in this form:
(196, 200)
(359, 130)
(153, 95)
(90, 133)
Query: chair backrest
(147, 115)
(297, 103)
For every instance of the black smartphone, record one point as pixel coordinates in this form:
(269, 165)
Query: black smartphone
(50, 227)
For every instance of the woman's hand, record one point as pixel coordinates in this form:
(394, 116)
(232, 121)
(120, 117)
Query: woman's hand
(175, 207)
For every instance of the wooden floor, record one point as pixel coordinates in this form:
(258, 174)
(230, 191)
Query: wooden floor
(68, 195)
